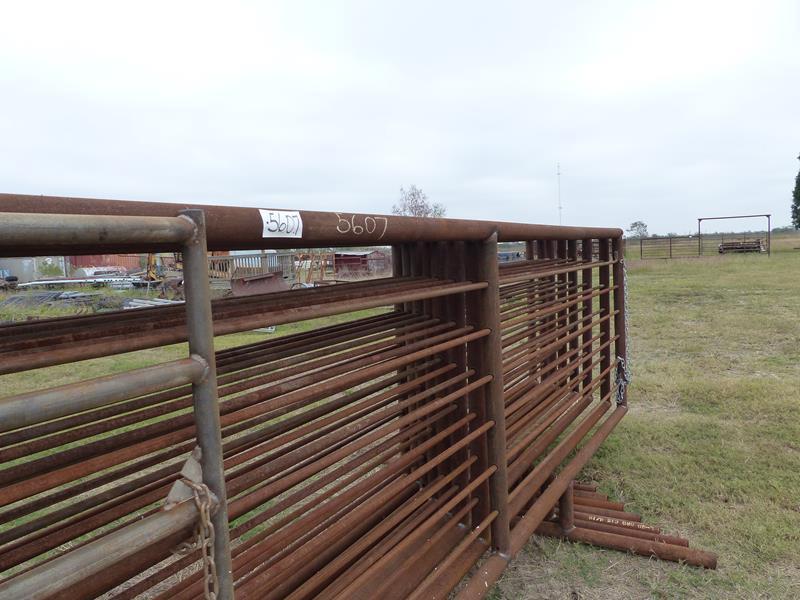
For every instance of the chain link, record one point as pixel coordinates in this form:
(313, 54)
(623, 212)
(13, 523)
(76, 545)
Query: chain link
(203, 538)
(624, 375)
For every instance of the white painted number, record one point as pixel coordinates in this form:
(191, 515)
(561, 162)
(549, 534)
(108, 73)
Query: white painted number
(359, 224)
(342, 223)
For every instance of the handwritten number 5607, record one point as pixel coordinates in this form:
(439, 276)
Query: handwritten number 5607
(359, 225)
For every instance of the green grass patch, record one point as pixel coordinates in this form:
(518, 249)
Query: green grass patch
(711, 446)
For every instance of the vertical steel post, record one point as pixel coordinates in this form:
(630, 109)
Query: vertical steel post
(442, 309)
(405, 260)
(488, 271)
(415, 250)
(605, 311)
(435, 261)
(476, 361)
(566, 508)
(561, 292)
(587, 248)
(546, 248)
(426, 251)
(670, 246)
(401, 267)
(531, 254)
(405, 257)
(699, 239)
(621, 343)
(769, 235)
(566, 513)
(397, 268)
(397, 261)
(455, 269)
(206, 402)
(572, 254)
(541, 249)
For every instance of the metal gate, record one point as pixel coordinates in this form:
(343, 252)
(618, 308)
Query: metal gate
(382, 457)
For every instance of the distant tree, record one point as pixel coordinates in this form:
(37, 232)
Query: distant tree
(638, 229)
(414, 203)
(796, 201)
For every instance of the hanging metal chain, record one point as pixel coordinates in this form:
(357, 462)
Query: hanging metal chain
(203, 537)
(624, 375)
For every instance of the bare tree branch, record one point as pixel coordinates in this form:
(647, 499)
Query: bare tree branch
(414, 203)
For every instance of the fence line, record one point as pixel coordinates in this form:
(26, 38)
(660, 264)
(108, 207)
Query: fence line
(704, 245)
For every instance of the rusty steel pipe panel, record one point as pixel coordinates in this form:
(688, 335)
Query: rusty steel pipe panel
(564, 353)
(313, 430)
(383, 456)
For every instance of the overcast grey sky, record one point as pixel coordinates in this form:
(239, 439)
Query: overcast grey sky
(659, 111)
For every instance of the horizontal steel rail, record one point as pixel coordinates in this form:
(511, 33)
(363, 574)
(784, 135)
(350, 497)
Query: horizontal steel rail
(40, 350)
(31, 408)
(23, 232)
(237, 228)
(71, 569)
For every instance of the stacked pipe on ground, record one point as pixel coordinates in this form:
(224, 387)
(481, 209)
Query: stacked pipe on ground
(585, 515)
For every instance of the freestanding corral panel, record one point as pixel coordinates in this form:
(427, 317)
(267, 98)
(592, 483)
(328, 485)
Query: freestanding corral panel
(381, 457)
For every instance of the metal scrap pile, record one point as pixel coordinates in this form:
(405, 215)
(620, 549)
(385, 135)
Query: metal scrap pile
(28, 306)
